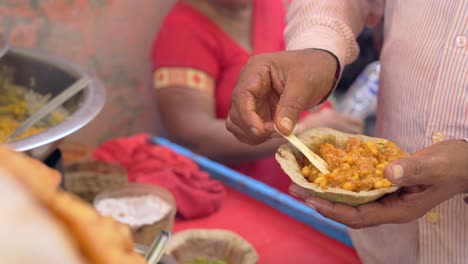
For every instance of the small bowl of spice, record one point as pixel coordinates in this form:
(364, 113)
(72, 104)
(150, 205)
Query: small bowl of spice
(146, 209)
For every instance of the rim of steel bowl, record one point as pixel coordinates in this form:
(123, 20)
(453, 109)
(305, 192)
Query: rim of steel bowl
(93, 100)
(4, 45)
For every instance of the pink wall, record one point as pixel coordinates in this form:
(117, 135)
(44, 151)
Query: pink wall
(109, 38)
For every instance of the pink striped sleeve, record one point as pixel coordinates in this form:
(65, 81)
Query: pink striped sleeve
(330, 25)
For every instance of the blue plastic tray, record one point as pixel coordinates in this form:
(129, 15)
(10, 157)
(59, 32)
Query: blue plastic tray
(263, 193)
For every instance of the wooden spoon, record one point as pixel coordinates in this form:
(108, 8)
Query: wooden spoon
(315, 159)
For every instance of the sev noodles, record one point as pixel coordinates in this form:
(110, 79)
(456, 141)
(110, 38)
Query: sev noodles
(17, 103)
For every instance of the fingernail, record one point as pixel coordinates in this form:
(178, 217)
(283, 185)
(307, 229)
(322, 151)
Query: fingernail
(286, 123)
(254, 131)
(397, 172)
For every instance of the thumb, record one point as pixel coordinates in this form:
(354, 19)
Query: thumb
(410, 171)
(295, 99)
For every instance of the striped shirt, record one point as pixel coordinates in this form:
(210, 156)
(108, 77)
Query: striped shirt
(423, 98)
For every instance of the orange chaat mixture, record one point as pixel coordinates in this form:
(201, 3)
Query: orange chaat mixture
(359, 166)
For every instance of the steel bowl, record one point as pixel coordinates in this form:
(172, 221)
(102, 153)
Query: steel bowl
(48, 74)
(4, 45)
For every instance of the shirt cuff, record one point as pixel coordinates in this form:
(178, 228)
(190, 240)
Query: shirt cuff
(323, 38)
(327, 38)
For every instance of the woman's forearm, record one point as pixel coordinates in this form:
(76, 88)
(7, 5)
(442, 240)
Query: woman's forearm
(211, 139)
(189, 118)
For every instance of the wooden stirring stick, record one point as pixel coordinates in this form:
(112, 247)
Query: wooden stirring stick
(315, 159)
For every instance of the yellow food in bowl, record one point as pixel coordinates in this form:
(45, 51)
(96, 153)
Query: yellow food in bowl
(18, 103)
(8, 125)
(355, 161)
(359, 166)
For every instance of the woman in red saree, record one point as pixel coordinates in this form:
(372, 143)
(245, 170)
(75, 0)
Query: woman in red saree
(197, 57)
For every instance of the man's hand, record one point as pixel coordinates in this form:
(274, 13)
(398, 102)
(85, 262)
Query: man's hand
(275, 88)
(429, 177)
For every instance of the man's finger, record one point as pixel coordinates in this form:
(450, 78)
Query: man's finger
(234, 118)
(409, 171)
(256, 82)
(299, 191)
(345, 214)
(393, 208)
(240, 134)
(297, 96)
(390, 209)
(306, 85)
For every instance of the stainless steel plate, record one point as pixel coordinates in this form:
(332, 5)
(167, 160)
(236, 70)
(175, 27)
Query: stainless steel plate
(46, 74)
(3, 45)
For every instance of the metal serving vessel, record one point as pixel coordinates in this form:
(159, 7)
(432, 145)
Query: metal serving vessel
(47, 74)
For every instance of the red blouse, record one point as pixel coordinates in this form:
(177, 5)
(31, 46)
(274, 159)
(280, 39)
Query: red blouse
(191, 50)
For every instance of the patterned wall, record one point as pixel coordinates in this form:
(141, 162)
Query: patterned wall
(109, 38)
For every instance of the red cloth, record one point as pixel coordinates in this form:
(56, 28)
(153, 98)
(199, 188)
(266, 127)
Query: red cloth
(195, 193)
(189, 39)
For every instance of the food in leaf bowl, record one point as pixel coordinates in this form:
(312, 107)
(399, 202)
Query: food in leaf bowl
(210, 246)
(356, 164)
